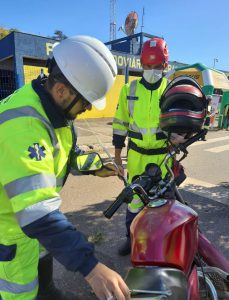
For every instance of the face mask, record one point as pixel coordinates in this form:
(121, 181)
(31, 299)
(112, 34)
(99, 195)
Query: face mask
(152, 76)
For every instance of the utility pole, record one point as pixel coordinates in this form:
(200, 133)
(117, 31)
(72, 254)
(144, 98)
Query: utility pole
(143, 13)
(112, 20)
(215, 61)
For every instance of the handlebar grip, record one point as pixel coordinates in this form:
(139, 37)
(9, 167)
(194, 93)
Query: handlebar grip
(113, 207)
(195, 138)
(125, 196)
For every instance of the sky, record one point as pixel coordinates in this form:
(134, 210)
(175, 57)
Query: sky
(195, 30)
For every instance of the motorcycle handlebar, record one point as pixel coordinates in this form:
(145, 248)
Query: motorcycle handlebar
(127, 193)
(193, 139)
(124, 196)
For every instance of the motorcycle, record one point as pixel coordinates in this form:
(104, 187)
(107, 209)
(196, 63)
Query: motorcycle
(171, 258)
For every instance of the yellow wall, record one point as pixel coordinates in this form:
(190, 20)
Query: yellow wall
(111, 100)
(31, 72)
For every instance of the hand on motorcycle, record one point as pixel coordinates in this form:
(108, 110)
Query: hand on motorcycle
(108, 170)
(177, 139)
(107, 284)
(118, 161)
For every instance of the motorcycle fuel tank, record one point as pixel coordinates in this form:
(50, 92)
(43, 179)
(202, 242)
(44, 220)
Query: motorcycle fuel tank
(165, 235)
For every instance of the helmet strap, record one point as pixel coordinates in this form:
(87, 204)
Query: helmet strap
(74, 101)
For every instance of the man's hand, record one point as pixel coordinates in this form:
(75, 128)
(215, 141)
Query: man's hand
(120, 167)
(118, 161)
(108, 170)
(107, 284)
(177, 139)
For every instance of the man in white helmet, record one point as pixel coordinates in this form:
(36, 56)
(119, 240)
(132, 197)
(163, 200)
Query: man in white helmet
(37, 137)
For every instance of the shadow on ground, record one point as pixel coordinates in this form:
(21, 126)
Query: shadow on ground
(213, 218)
(219, 192)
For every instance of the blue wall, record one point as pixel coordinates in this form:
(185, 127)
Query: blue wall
(32, 45)
(7, 46)
(27, 45)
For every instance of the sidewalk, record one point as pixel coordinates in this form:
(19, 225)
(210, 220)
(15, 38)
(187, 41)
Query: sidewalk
(96, 135)
(93, 134)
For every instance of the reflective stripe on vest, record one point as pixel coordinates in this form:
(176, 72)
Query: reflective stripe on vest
(37, 211)
(60, 182)
(29, 183)
(131, 98)
(16, 288)
(120, 132)
(137, 129)
(160, 134)
(117, 121)
(28, 111)
(133, 89)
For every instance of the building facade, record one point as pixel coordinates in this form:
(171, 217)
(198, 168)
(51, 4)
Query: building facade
(23, 57)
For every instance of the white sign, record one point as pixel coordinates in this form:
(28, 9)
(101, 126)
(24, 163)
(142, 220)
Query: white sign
(215, 108)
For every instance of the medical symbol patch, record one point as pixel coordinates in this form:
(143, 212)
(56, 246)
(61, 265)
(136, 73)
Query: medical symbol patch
(36, 151)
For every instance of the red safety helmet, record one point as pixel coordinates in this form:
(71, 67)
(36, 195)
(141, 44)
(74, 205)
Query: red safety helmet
(154, 52)
(183, 106)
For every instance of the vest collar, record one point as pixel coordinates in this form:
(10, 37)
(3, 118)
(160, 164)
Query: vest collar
(54, 113)
(151, 86)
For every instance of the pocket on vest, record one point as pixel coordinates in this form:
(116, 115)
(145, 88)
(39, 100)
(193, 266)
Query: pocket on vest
(7, 253)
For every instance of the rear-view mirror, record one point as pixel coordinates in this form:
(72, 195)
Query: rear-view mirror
(89, 162)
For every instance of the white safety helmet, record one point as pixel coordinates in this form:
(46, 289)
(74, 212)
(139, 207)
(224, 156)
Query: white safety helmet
(88, 65)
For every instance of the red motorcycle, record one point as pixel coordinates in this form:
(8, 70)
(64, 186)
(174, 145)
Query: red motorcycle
(171, 258)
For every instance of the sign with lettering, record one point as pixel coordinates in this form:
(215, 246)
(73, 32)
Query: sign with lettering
(49, 47)
(133, 62)
(127, 60)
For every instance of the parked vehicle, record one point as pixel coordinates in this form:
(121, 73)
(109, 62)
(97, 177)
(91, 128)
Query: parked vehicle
(171, 258)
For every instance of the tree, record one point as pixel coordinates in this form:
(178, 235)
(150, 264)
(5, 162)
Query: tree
(4, 32)
(59, 35)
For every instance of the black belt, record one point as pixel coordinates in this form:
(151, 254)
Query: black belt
(135, 135)
(138, 135)
(158, 151)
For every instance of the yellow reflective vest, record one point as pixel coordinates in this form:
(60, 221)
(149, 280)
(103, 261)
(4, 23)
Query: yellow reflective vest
(34, 160)
(137, 116)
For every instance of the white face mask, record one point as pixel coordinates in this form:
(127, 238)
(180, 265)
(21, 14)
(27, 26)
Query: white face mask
(152, 75)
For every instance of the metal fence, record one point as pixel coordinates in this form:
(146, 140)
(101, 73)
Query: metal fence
(7, 83)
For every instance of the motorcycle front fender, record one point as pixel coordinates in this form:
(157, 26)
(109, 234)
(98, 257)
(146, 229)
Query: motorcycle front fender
(156, 283)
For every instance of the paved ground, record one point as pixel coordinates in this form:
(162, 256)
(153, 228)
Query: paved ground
(86, 197)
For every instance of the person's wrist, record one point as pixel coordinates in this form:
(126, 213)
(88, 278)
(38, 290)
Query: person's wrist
(118, 161)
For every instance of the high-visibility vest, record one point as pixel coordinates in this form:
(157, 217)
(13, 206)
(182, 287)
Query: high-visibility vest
(34, 162)
(137, 116)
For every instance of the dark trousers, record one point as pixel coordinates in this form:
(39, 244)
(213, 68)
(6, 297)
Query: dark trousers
(226, 122)
(129, 218)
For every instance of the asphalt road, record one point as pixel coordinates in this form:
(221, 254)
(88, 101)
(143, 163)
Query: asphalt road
(86, 197)
(209, 160)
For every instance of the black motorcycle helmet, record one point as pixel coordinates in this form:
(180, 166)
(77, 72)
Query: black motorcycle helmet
(183, 106)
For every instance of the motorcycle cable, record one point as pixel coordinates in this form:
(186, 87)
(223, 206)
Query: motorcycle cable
(198, 258)
(123, 178)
